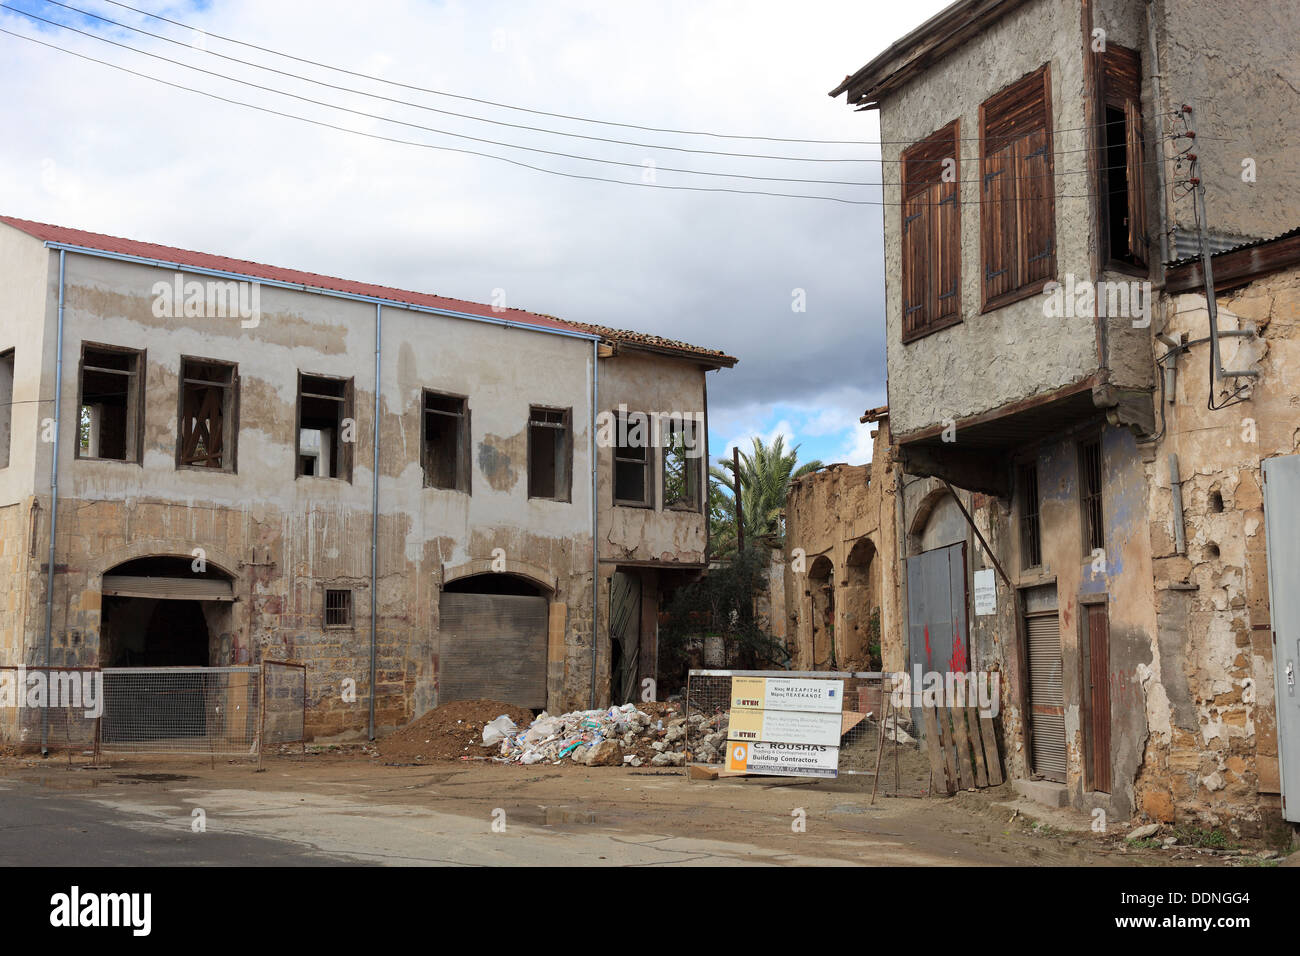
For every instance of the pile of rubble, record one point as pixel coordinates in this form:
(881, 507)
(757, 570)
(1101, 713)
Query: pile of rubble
(602, 738)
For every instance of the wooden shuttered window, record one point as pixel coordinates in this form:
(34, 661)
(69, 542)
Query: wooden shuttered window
(931, 234)
(1122, 161)
(1017, 192)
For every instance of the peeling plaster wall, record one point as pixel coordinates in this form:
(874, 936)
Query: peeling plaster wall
(659, 541)
(1213, 751)
(829, 514)
(29, 299)
(1015, 351)
(285, 539)
(1235, 62)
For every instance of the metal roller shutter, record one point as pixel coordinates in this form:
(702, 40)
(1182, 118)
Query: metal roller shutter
(493, 646)
(1046, 698)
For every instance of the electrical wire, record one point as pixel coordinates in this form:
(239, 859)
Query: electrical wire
(514, 162)
(522, 109)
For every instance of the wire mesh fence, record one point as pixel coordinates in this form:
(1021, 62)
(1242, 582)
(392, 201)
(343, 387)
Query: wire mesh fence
(183, 710)
(54, 707)
(178, 710)
(875, 739)
(284, 714)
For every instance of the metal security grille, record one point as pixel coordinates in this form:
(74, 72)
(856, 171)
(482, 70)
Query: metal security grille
(189, 710)
(1046, 697)
(338, 608)
(492, 647)
(1090, 459)
(1031, 539)
(875, 740)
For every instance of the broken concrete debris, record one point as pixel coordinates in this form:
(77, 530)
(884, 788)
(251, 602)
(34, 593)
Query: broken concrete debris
(619, 736)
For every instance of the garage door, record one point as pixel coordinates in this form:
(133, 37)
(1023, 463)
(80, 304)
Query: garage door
(493, 646)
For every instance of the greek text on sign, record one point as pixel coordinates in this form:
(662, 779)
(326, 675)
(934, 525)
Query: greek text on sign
(788, 760)
(788, 693)
(784, 726)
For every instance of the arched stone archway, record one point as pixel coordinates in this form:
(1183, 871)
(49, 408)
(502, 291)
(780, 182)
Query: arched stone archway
(821, 587)
(165, 610)
(860, 608)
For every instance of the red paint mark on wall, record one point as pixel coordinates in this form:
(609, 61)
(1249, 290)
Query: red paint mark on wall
(958, 652)
(928, 655)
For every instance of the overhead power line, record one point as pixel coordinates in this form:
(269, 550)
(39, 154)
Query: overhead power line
(407, 142)
(468, 116)
(522, 109)
(429, 129)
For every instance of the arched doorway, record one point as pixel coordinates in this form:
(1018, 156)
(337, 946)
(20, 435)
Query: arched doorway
(861, 614)
(162, 612)
(492, 640)
(821, 585)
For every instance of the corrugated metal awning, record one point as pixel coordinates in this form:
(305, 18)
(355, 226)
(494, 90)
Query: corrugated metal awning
(168, 589)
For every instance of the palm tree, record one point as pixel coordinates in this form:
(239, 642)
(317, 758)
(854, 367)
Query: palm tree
(765, 476)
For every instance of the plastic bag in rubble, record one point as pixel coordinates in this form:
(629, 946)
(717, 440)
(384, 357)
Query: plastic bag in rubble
(498, 730)
(542, 728)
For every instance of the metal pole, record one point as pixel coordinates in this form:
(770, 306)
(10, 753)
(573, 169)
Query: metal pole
(1176, 491)
(374, 521)
(595, 501)
(54, 506)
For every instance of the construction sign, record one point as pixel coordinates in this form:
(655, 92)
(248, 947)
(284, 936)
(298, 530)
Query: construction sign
(785, 726)
(790, 760)
(788, 693)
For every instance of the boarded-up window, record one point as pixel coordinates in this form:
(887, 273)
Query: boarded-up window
(1017, 195)
(1122, 161)
(931, 234)
(445, 442)
(683, 451)
(632, 461)
(550, 453)
(209, 402)
(326, 429)
(110, 407)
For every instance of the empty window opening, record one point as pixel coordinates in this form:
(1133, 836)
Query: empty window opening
(1031, 539)
(1116, 197)
(6, 404)
(109, 410)
(445, 455)
(208, 427)
(549, 453)
(1093, 526)
(682, 458)
(1122, 159)
(632, 465)
(338, 608)
(1216, 502)
(324, 440)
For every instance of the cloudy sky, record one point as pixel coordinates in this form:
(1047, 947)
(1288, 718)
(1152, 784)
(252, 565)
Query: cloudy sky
(90, 146)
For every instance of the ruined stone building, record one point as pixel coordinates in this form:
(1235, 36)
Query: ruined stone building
(1074, 436)
(392, 488)
(841, 590)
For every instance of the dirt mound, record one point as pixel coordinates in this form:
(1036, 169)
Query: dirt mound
(449, 732)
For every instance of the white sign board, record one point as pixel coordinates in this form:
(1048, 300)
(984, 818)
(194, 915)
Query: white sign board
(788, 693)
(784, 726)
(787, 760)
(986, 592)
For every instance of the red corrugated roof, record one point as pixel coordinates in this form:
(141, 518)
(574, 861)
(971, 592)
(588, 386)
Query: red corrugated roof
(185, 257)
